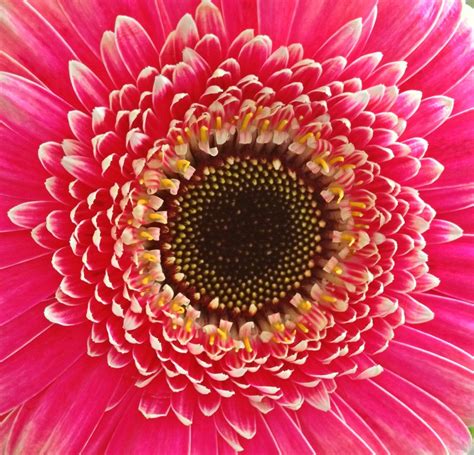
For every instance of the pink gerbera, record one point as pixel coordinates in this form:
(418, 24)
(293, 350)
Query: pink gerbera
(236, 226)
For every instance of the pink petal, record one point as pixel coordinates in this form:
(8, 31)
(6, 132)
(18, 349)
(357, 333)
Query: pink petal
(453, 321)
(450, 65)
(24, 329)
(315, 22)
(445, 200)
(407, 103)
(397, 426)
(90, 90)
(38, 364)
(59, 421)
(453, 145)
(341, 42)
(33, 112)
(65, 315)
(390, 36)
(288, 436)
(30, 214)
(439, 417)
(440, 34)
(446, 380)
(204, 437)
(254, 54)
(388, 74)
(26, 284)
(320, 427)
(16, 247)
(84, 169)
(240, 416)
(239, 16)
(363, 66)
(6, 225)
(116, 69)
(442, 231)
(209, 20)
(432, 113)
(134, 45)
(462, 93)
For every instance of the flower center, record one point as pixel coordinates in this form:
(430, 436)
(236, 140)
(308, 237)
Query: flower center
(242, 235)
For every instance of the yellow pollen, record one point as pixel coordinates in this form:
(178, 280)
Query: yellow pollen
(179, 139)
(265, 125)
(359, 205)
(305, 305)
(212, 338)
(282, 125)
(303, 139)
(188, 131)
(203, 133)
(302, 327)
(246, 121)
(321, 162)
(338, 191)
(357, 214)
(141, 181)
(222, 334)
(318, 135)
(142, 201)
(218, 122)
(146, 235)
(150, 257)
(182, 165)
(189, 325)
(337, 159)
(329, 298)
(146, 280)
(338, 270)
(361, 226)
(350, 238)
(348, 166)
(130, 221)
(167, 183)
(156, 217)
(279, 326)
(248, 346)
(176, 308)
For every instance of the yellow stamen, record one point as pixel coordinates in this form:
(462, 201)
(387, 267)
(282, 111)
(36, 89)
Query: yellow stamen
(279, 326)
(218, 122)
(146, 235)
(302, 327)
(282, 125)
(182, 165)
(361, 226)
(359, 205)
(248, 346)
(338, 270)
(302, 140)
(246, 121)
(142, 201)
(146, 280)
(348, 166)
(222, 334)
(189, 325)
(339, 192)
(188, 131)
(350, 238)
(149, 257)
(179, 139)
(167, 183)
(141, 181)
(203, 133)
(176, 308)
(337, 159)
(321, 162)
(156, 217)
(318, 135)
(357, 214)
(265, 125)
(329, 298)
(212, 338)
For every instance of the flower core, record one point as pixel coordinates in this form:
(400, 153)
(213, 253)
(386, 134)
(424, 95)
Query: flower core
(242, 234)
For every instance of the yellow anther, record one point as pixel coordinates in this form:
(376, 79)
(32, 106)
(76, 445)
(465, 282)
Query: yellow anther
(321, 162)
(189, 325)
(146, 280)
(248, 346)
(146, 235)
(265, 125)
(303, 139)
(305, 305)
(222, 334)
(279, 326)
(167, 183)
(337, 270)
(361, 226)
(188, 131)
(182, 165)
(329, 298)
(349, 237)
(179, 139)
(130, 221)
(156, 217)
(359, 205)
(212, 338)
(218, 122)
(142, 201)
(246, 121)
(149, 257)
(338, 191)
(318, 135)
(337, 159)
(176, 308)
(302, 327)
(357, 214)
(348, 166)
(282, 124)
(203, 133)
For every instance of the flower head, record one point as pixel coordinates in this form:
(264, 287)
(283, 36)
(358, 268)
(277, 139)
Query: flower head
(229, 227)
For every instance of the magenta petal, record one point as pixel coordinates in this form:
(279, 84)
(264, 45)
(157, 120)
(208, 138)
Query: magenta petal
(22, 330)
(16, 247)
(116, 69)
(30, 214)
(341, 42)
(463, 94)
(439, 417)
(442, 231)
(38, 364)
(451, 199)
(275, 19)
(26, 284)
(62, 417)
(90, 90)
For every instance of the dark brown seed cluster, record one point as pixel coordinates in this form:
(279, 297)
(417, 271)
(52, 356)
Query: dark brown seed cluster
(246, 232)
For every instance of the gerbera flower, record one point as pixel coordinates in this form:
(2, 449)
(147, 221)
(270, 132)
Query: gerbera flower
(236, 226)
